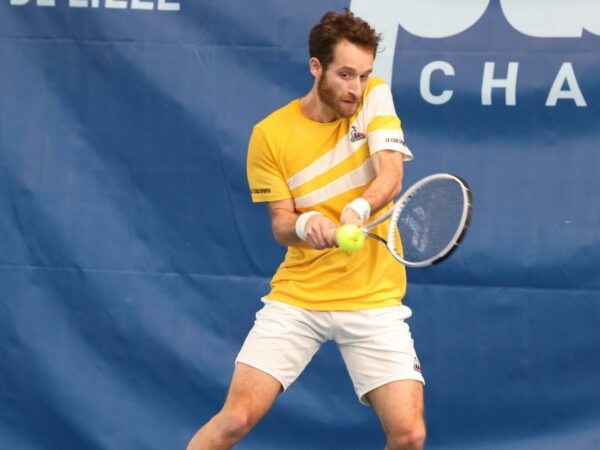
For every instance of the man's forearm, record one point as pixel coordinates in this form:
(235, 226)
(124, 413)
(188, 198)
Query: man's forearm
(384, 187)
(283, 224)
(389, 169)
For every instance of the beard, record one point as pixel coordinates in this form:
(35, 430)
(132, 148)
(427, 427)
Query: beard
(339, 104)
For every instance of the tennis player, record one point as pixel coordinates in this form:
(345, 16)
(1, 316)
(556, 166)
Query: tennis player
(332, 157)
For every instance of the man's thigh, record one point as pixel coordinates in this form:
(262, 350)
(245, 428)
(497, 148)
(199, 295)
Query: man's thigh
(399, 405)
(377, 348)
(252, 391)
(283, 340)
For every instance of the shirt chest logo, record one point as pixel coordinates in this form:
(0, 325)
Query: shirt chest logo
(356, 135)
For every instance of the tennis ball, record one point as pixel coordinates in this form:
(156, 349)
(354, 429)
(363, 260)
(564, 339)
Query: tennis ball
(349, 238)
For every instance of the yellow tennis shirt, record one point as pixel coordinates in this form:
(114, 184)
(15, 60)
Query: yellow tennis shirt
(322, 167)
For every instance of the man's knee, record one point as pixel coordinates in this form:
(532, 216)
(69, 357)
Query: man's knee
(234, 424)
(224, 430)
(411, 438)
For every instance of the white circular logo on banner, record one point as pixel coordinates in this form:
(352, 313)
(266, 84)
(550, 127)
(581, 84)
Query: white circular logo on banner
(436, 19)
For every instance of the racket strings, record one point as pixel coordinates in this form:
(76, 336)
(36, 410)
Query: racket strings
(430, 220)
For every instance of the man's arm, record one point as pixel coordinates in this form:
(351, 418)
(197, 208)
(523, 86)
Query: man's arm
(319, 230)
(389, 169)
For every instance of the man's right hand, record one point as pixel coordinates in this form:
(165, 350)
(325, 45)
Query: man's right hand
(320, 232)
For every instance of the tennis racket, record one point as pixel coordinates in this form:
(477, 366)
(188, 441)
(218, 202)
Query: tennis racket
(428, 221)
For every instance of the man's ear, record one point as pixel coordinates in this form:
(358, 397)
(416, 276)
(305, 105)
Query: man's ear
(315, 67)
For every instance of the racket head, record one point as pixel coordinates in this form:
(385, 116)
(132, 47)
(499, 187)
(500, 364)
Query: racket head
(429, 220)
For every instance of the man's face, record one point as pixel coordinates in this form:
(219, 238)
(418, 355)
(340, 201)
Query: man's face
(341, 86)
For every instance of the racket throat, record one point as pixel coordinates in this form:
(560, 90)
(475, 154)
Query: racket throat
(377, 238)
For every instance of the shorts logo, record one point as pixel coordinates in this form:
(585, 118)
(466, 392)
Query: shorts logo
(356, 135)
(417, 365)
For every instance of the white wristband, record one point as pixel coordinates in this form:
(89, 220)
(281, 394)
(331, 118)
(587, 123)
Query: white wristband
(361, 207)
(301, 223)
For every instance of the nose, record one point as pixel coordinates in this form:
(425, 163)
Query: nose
(354, 87)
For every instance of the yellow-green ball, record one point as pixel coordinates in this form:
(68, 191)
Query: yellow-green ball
(349, 238)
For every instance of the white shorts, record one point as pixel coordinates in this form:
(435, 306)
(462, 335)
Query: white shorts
(376, 344)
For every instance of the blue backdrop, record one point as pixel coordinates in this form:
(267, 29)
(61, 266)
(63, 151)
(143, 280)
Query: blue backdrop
(132, 260)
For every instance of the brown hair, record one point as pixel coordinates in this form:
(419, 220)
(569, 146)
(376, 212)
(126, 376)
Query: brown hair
(334, 27)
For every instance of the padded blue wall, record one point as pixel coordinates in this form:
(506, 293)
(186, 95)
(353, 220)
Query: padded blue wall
(132, 260)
